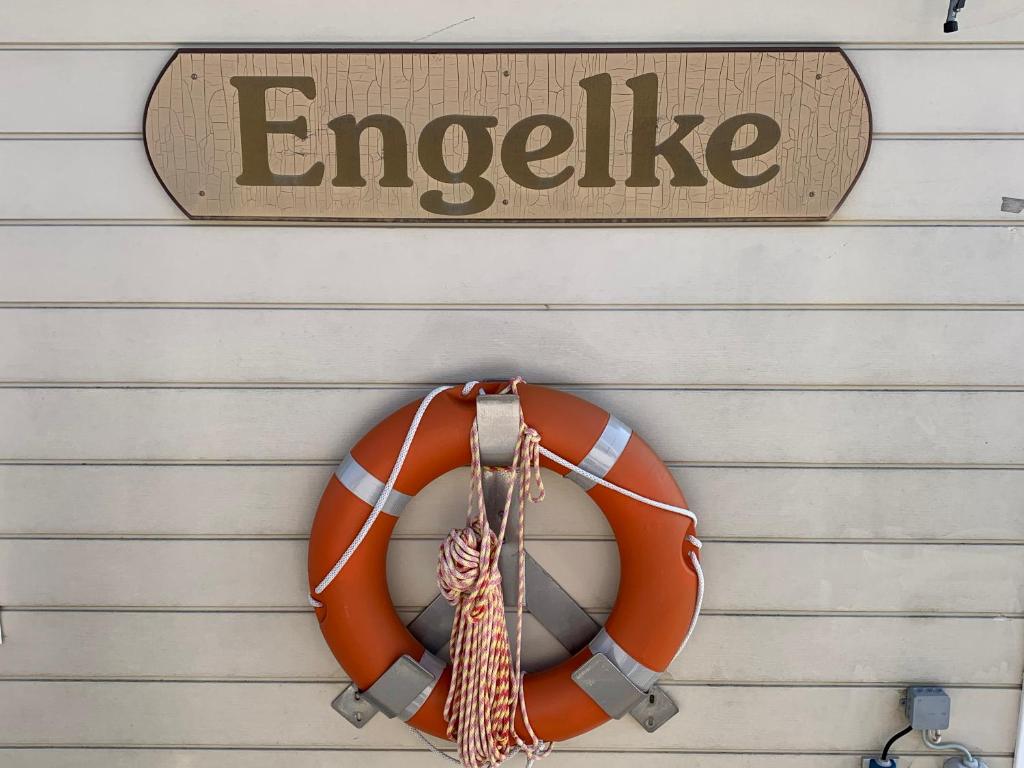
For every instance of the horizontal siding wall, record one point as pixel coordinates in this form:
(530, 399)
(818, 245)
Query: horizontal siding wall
(302, 424)
(815, 650)
(623, 267)
(319, 758)
(532, 21)
(268, 500)
(910, 578)
(652, 347)
(297, 715)
(841, 402)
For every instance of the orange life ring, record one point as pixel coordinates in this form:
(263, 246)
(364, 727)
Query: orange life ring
(658, 584)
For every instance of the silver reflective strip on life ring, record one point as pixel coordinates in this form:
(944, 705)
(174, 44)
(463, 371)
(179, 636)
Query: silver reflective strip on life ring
(435, 667)
(360, 482)
(642, 677)
(604, 454)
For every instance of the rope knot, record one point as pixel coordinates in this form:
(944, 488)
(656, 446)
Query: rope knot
(466, 570)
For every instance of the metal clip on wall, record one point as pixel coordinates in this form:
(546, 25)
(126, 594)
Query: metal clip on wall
(610, 677)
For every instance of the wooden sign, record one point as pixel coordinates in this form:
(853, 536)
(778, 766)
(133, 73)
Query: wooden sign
(566, 136)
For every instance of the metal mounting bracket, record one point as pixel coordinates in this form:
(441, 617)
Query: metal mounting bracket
(655, 709)
(498, 420)
(605, 684)
(619, 684)
(351, 705)
(399, 692)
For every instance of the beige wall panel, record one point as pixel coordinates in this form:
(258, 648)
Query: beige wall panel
(284, 715)
(539, 266)
(901, 578)
(236, 758)
(164, 645)
(733, 502)
(707, 426)
(604, 21)
(635, 347)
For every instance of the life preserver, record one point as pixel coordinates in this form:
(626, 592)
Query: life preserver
(658, 584)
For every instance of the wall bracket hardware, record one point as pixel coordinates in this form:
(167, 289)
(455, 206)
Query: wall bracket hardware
(602, 681)
(399, 692)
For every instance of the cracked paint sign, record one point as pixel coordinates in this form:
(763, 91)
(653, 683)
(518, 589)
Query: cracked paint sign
(509, 136)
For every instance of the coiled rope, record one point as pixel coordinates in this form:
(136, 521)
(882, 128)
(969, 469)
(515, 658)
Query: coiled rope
(486, 689)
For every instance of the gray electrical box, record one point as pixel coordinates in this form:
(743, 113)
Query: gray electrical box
(927, 708)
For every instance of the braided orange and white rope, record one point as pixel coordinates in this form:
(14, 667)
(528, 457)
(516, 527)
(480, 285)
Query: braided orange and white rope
(486, 688)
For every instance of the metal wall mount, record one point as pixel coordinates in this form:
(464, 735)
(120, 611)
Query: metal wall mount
(399, 692)
(603, 681)
(618, 684)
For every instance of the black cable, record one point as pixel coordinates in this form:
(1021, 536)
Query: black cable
(895, 737)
